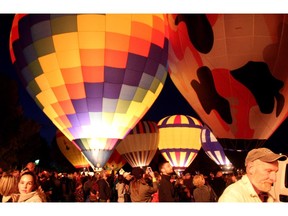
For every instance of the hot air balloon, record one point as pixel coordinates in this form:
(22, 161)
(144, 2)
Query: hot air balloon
(179, 140)
(115, 162)
(233, 70)
(140, 145)
(71, 151)
(93, 75)
(214, 150)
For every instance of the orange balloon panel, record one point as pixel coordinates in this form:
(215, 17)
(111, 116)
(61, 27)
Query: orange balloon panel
(70, 151)
(179, 140)
(140, 145)
(93, 75)
(233, 70)
(115, 162)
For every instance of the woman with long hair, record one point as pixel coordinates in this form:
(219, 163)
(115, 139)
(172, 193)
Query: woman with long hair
(28, 188)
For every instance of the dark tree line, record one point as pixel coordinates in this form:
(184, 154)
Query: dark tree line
(20, 140)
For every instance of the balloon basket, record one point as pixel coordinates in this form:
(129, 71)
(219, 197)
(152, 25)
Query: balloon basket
(179, 172)
(227, 169)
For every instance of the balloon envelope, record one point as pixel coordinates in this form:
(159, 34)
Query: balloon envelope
(214, 149)
(115, 162)
(179, 140)
(71, 151)
(140, 145)
(93, 75)
(233, 70)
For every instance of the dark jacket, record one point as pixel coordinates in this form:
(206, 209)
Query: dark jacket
(202, 194)
(104, 190)
(166, 190)
(218, 184)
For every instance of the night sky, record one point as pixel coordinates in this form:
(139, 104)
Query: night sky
(169, 102)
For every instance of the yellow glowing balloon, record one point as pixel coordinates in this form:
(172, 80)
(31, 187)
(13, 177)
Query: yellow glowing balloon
(179, 140)
(93, 75)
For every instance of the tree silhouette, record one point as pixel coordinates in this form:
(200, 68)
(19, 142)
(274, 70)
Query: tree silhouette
(20, 141)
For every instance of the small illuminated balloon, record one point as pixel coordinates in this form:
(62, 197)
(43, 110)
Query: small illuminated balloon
(141, 144)
(94, 75)
(213, 148)
(115, 162)
(71, 151)
(179, 140)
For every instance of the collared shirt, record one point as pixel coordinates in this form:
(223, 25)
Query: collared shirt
(241, 191)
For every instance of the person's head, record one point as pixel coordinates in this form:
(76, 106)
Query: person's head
(198, 180)
(31, 166)
(16, 173)
(8, 185)
(233, 178)
(165, 168)
(187, 176)
(127, 176)
(104, 174)
(120, 178)
(261, 168)
(27, 182)
(137, 172)
(219, 174)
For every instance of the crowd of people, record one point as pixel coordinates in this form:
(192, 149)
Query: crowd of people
(139, 185)
(142, 185)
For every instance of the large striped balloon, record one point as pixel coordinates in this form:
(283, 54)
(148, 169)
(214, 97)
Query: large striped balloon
(213, 148)
(179, 140)
(141, 144)
(94, 75)
(71, 151)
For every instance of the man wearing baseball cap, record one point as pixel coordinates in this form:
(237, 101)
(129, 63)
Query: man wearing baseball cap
(261, 168)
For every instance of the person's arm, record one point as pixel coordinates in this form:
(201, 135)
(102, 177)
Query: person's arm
(154, 187)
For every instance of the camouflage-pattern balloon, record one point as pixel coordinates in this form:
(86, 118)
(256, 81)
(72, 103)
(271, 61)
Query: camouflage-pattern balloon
(233, 71)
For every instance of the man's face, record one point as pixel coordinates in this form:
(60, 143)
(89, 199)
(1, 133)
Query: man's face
(263, 175)
(167, 169)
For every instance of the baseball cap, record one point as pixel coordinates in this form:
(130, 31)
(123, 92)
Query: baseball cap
(263, 154)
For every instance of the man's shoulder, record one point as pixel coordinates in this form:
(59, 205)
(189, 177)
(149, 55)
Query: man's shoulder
(238, 184)
(237, 192)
